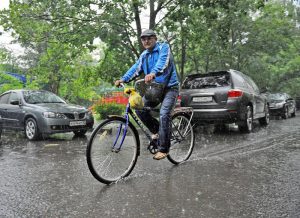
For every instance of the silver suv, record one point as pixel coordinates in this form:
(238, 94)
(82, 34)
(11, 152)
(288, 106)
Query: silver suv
(225, 97)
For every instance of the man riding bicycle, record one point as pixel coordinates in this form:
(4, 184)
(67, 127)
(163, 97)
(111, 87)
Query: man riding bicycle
(157, 63)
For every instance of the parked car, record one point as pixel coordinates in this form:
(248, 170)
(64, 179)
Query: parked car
(42, 112)
(282, 104)
(225, 97)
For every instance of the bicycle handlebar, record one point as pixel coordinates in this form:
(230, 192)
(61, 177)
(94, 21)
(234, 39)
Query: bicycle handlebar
(137, 82)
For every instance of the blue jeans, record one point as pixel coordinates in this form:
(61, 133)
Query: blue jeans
(163, 127)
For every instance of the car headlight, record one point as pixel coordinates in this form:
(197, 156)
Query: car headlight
(50, 114)
(89, 113)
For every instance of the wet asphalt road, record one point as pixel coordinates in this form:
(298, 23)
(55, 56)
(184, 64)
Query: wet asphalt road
(229, 175)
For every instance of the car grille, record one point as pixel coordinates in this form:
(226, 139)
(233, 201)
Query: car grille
(75, 116)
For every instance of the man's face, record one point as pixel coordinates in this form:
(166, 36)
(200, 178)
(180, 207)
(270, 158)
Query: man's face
(149, 42)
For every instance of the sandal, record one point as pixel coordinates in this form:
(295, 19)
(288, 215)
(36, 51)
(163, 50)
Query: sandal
(160, 155)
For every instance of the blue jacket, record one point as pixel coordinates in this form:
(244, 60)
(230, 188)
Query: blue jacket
(160, 62)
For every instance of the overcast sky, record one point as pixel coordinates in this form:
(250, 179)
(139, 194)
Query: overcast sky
(4, 4)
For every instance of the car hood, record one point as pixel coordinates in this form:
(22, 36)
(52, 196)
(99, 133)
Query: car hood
(59, 107)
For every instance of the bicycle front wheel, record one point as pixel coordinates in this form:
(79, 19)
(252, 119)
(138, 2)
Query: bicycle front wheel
(182, 139)
(112, 150)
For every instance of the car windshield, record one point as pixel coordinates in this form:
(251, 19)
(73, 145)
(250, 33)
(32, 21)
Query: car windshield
(277, 96)
(37, 97)
(209, 81)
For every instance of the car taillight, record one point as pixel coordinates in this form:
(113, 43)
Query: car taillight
(234, 93)
(178, 102)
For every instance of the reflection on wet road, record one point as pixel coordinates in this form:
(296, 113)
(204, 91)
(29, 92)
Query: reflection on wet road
(229, 175)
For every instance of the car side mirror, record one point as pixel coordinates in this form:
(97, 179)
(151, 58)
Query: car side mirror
(15, 102)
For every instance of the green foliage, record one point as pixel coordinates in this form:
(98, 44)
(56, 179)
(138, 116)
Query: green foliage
(108, 109)
(3, 55)
(261, 40)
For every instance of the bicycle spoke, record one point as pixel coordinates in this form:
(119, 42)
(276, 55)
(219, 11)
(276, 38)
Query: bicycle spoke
(107, 169)
(102, 164)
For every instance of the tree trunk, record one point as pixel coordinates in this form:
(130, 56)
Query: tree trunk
(183, 53)
(206, 63)
(54, 80)
(152, 15)
(138, 24)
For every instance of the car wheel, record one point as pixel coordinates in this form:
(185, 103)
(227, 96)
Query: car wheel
(294, 113)
(80, 132)
(247, 124)
(31, 129)
(285, 114)
(264, 121)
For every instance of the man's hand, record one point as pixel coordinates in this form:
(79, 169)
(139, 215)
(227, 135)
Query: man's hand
(118, 82)
(149, 77)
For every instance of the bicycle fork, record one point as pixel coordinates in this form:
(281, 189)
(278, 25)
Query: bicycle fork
(117, 147)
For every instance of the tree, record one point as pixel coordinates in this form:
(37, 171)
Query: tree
(77, 22)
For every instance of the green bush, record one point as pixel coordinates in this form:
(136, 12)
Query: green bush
(109, 109)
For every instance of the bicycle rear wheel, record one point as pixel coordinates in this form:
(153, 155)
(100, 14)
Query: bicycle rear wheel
(182, 139)
(112, 150)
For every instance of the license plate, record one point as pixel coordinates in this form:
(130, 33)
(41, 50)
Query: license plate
(78, 123)
(202, 99)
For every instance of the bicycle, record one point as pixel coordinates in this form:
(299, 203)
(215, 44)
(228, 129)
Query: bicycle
(114, 146)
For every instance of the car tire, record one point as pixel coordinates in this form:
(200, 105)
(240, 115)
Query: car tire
(31, 129)
(285, 114)
(246, 125)
(80, 132)
(264, 121)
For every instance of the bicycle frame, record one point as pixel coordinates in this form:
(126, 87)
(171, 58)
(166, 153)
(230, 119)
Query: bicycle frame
(145, 130)
(128, 112)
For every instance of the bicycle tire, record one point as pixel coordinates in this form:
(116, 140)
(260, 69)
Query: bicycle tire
(105, 162)
(182, 139)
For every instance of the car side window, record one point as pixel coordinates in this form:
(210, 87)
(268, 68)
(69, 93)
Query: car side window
(4, 98)
(256, 89)
(253, 85)
(13, 97)
(240, 82)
